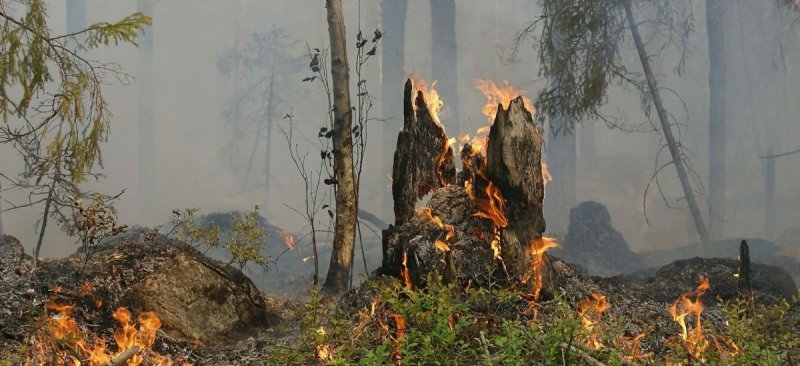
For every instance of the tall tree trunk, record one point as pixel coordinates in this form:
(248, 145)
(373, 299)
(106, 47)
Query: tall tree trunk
(444, 60)
(672, 145)
(146, 134)
(346, 195)
(769, 193)
(268, 142)
(393, 21)
(1, 210)
(561, 196)
(561, 160)
(716, 118)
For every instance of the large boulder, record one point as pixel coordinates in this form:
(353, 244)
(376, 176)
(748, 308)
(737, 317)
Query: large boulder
(593, 244)
(197, 299)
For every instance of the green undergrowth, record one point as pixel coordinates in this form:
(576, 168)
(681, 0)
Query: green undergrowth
(443, 325)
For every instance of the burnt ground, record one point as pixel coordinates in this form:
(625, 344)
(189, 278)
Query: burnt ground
(638, 302)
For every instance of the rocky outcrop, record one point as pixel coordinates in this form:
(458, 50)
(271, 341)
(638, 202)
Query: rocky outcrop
(593, 244)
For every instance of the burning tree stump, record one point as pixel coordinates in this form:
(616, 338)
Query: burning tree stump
(423, 160)
(487, 225)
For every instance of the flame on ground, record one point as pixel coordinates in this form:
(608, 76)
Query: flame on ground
(500, 95)
(631, 348)
(538, 248)
(591, 310)
(691, 304)
(65, 342)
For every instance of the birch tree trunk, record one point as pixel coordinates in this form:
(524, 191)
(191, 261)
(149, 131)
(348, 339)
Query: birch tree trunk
(716, 118)
(672, 145)
(346, 195)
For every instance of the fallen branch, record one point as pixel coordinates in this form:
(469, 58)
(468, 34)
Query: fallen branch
(123, 357)
(584, 355)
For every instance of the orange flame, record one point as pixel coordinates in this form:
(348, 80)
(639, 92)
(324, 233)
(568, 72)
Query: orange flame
(288, 239)
(500, 95)
(431, 96)
(686, 304)
(493, 207)
(404, 272)
(591, 309)
(538, 248)
(427, 214)
(546, 177)
(631, 348)
(74, 344)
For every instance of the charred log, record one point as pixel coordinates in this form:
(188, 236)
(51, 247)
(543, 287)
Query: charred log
(423, 160)
(514, 164)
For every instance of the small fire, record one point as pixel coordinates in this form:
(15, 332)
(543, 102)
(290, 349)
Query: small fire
(288, 239)
(631, 348)
(500, 95)
(538, 249)
(431, 96)
(691, 303)
(546, 177)
(404, 272)
(66, 343)
(428, 215)
(446, 150)
(493, 207)
(591, 309)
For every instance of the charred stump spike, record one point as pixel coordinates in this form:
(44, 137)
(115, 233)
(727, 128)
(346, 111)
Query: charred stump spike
(514, 164)
(744, 287)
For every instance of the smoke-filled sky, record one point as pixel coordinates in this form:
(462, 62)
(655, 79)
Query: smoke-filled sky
(198, 163)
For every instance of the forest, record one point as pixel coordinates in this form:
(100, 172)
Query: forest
(399, 182)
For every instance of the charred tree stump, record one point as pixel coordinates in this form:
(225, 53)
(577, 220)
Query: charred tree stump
(479, 230)
(745, 273)
(514, 164)
(423, 161)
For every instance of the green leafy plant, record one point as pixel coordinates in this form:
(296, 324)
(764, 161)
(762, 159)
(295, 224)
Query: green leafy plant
(245, 241)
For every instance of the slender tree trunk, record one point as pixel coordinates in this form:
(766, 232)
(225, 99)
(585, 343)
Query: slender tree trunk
(39, 242)
(268, 142)
(393, 21)
(561, 196)
(444, 60)
(1, 210)
(716, 118)
(769, 192)
(346, 197)
(672, 145)
(146, 134)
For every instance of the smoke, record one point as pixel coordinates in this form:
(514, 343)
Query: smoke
(613, 165)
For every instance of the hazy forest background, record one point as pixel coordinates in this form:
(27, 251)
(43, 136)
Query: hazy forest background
(172, 145)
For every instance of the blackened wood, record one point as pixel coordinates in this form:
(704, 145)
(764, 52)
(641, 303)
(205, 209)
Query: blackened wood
(514, 164)
(744, 287)
(422, 159)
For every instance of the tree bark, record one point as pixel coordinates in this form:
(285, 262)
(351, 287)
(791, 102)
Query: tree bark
(422, 160)
(716, 118)
(672, 145)
(769, 195)
(514, 165)
(444, 60)
(346, 195)
(147, 190)
(268, 138)
(393, 22)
